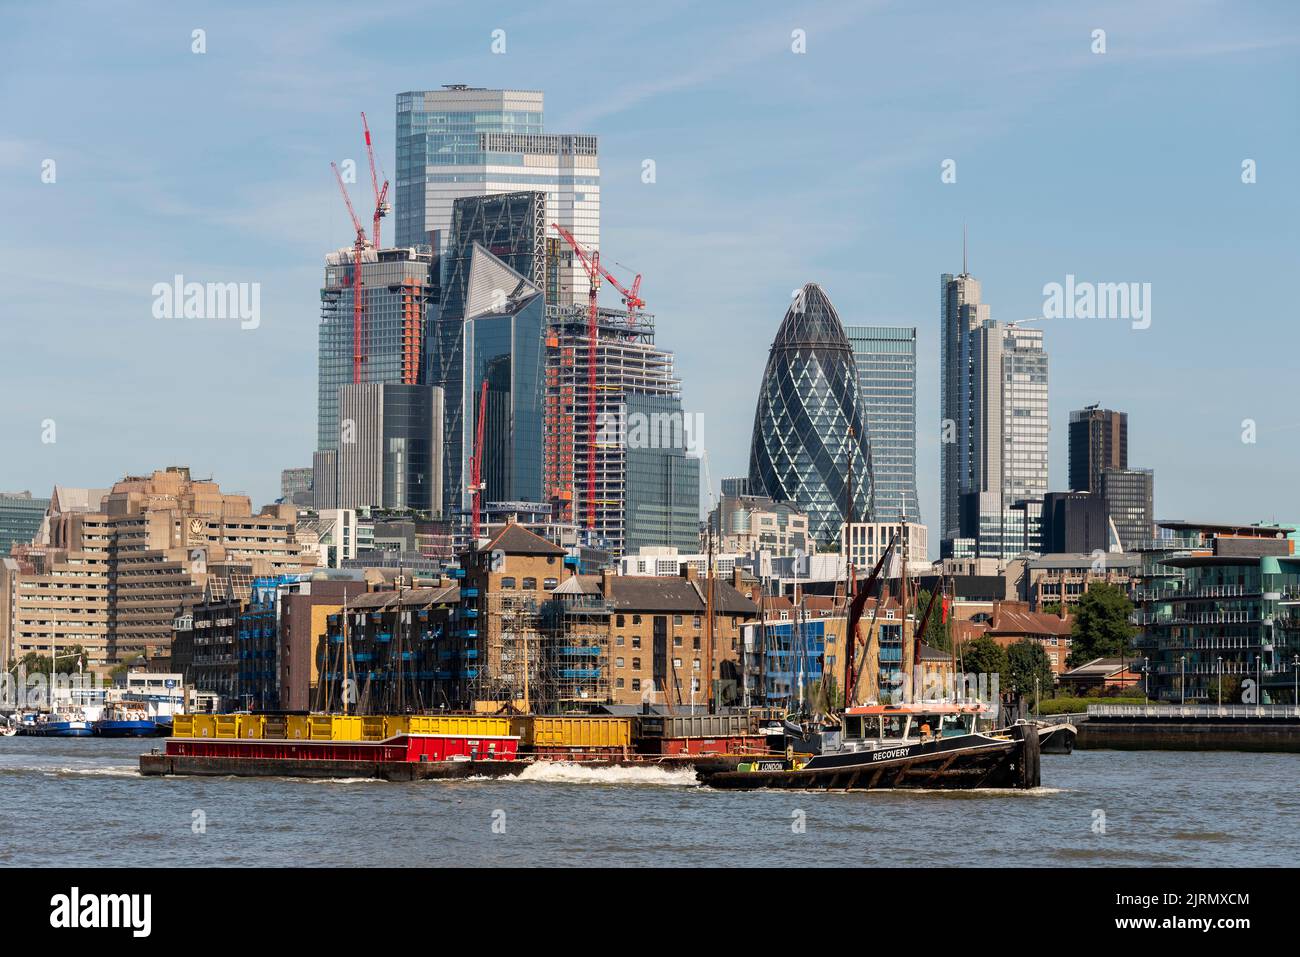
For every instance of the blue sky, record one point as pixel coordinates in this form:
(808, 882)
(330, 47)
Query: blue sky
(773, 169)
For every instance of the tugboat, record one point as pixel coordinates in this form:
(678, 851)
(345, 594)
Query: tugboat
(929, 745)
(899, 744)
(122, 722)
(58, 724)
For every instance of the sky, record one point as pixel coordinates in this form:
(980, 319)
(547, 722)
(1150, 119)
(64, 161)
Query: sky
(791, 143)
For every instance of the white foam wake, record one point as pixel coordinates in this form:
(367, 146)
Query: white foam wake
(563, 772)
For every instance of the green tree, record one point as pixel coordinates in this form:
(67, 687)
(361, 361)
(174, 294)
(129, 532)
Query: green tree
(938, 633)
(1027, 662)
(985, 656)
(1101, 626)
(68, 659)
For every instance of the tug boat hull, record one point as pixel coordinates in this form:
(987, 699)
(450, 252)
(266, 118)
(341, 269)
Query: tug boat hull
(960, 763)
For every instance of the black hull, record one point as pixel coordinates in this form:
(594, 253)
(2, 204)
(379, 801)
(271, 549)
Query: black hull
(977, 762)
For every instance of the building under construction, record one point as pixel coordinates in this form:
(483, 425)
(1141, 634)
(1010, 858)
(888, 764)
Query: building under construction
(645, 484)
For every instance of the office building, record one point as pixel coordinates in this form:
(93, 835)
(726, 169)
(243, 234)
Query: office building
(993, 398)
(865, 542)
(394, 458)
(20, 518)
(1075, 522)
(1130, 497)
(295, 487)
(462, 141)
(886, 360)
(399, 289)
(749, 523)
(1098, 440)
(810, 445)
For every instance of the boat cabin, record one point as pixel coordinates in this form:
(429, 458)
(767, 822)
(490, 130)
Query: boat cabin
(895, 724)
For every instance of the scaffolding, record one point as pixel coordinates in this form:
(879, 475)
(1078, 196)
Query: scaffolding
(505, 674)
(574, 665)
(627, 361)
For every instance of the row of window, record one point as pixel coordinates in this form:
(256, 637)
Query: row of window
(508, 583)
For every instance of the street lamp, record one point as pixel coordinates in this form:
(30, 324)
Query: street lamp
(1182, 679)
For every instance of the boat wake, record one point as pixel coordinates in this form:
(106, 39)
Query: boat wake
(562, 772)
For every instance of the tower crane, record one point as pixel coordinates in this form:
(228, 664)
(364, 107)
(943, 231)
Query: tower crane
(358, 247)
(382, 206)
(476, 483)
(590, 260)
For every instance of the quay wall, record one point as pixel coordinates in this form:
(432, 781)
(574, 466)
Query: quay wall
(1196, 735)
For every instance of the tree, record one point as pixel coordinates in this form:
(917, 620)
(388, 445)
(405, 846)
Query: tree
(1101, 626)
(1027, 662)
(68, 659)
(984, 656)
(938, 633)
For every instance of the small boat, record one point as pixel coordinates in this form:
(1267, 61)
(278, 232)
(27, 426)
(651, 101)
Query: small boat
(120, 722)
(929, 745)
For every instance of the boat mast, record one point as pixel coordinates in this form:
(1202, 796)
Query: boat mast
(708, 642)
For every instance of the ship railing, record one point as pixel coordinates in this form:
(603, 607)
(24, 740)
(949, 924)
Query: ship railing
(1193, 711)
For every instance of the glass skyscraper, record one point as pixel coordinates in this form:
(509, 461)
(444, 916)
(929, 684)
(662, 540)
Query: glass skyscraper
(20, 519)
(462, 141)
(886, 361)
(809, 426)
(663, 482)
(496, 271)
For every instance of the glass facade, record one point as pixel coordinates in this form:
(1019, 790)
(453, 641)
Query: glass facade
(507, 352)
(1129, 495)
(663, 485)
(497, 259)
(461, 142)
(20, 519)
(886, 360)
(397, 293)
(809, 427)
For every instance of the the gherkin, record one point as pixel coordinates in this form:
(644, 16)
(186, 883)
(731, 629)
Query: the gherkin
(809, 422)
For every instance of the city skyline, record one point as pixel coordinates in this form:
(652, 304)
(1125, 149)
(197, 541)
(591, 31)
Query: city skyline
(741, 211)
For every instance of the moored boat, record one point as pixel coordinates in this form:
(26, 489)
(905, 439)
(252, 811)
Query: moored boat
(121, 722)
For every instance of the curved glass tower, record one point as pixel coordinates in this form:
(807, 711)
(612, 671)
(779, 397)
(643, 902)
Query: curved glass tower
(809, 422)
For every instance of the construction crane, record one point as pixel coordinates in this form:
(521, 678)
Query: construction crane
(631, 299)
(476, 483)
(358, 248)
(382, 206)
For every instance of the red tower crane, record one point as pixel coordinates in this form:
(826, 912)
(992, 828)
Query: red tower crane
(595, 272)
(476, 483)
(382, 206)
(358, 247)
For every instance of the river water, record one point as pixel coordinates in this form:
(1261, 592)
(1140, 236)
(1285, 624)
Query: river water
(81, 802)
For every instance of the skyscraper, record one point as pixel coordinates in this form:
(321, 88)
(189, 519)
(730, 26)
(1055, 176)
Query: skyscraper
(463, 141)
(809, 426)
(497, 265)
(646, 486)
(398, 288)
(993, 397)
(886, 361)
(1098, 440)
(1130, 496)
(392, 456)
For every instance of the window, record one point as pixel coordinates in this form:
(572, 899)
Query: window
(636, 619)
(677, 619)
(618, 662)
(696, 643)
(618, 683)
(636, 684)
(507, 583)
(618, 640)
(530, 584)
(620, 621)
(636, 664)
(677, 662)
(550, 583)
(697, 621)
(636, 641)
(695, 666)
(677, 641)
